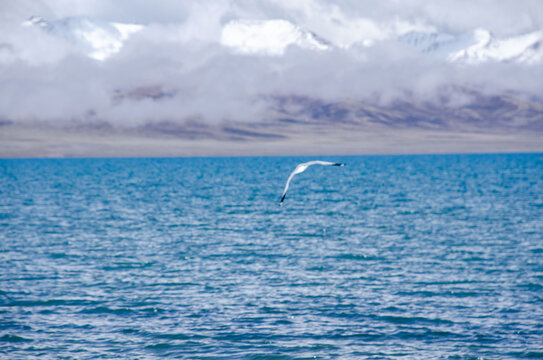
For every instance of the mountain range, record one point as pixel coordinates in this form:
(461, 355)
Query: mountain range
(293, 122)
(100, 40)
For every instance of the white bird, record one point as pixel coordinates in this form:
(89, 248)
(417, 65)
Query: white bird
(301, 168)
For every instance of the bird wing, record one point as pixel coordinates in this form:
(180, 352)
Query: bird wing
(287, 184)
(320, 162)
(301, 168)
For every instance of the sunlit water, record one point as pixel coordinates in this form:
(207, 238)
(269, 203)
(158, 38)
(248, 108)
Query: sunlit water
(415, 257)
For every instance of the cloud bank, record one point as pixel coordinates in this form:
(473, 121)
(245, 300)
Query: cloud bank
(184, 64)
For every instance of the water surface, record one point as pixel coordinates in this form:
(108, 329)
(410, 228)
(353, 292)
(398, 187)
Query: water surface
(414, 257)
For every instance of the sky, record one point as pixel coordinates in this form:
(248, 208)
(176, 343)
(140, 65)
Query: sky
(181, 51)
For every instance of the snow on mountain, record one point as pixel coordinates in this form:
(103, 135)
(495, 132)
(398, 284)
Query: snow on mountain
(439, 44)
(524, 48)
(99, 40)
(268, 37)
(272, 37)
(478, 46)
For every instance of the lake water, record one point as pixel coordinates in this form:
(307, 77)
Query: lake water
(414, 257)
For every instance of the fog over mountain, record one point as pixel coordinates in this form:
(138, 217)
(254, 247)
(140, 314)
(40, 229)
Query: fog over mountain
(82, 78)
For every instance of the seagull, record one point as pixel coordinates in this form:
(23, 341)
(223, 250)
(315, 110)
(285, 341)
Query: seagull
(301, 168)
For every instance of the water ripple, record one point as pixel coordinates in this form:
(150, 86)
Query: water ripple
(414, 257)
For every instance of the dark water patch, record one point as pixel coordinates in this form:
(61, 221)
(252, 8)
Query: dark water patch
(47, 312)
(282, 322)
(160, 346)
(250, 336)
(358, 257)
(452, 209)
(48, 303)
(14, 338)
(6, 216)
(395, 319)
(107, 310)
(184, 349)
(179, 336)
(264, 356)
(14, 325)
(474, 259)
(172, 284)
(35, 278)
(61, 255)
(420, 293)
(531, 286)
(527, 354)
(454, 282)
(428, 335)
(127, 266)
(464, 294)
(124, 311)
(484, 339)
(272, 310)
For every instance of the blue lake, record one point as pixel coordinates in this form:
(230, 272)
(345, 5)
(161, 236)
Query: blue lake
(413, 257)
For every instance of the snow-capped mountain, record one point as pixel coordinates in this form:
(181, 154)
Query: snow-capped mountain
(525, 48)
(439, 44)
(478, 46)
(271, 37)
(99, 40)
(268, 37)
